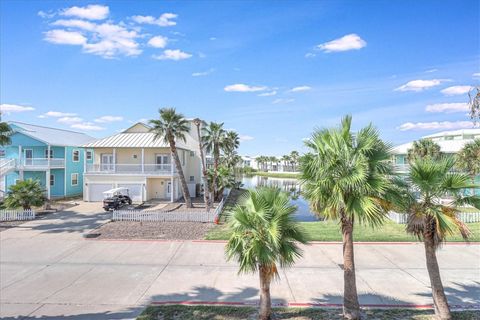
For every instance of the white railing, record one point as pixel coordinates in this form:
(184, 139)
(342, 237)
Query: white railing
(16, 215)
(119, 168)
(7, 165)
(42, 162)
(401, 167)
(164, 216)
(466, 217)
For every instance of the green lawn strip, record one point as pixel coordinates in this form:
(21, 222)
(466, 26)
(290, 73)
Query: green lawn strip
(287, 175)
(330, 231)
(176, 312)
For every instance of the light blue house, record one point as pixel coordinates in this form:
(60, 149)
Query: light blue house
(52, 156)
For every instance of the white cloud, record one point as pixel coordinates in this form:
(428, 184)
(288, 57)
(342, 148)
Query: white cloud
(310, 55)
(456, 90)
(268, 94)
(11, 108)
(477, 74)
(87, 126)
(90, 12)
(46, 15)
(59, 36)
(240, 87)
(106, 119)
(419, 85)
(445, 125)
(246, 138)
(348, 42)
(165, 20)
(70, 120)
(58, 114)
(431, 70)
(213, 38)
(202, 74)
(106, 39)
(300, 89)
(282, 101)
(158, 42)
(172, 55)
(448, 107)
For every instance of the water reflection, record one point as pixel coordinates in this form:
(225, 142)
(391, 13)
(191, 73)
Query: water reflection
(291, 186)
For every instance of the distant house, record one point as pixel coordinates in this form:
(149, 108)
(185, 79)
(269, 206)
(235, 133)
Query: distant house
(450, 142)
(52, 156)
(134, 159)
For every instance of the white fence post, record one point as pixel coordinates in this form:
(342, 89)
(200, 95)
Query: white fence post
(466, 217)
(16, 215)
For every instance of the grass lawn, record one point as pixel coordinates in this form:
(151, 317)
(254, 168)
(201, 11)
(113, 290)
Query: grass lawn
(330, 231)
(287, 175)
(177, 312)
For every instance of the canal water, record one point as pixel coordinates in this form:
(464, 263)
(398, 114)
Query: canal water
(291, 186)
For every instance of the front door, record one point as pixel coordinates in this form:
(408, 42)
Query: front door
(168, 190)
(106, 162)
(162, 162)
(28, 157)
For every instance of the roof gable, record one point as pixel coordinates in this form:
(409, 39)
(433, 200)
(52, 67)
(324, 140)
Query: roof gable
(138, 127)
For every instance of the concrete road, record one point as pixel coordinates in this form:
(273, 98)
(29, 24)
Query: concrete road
(49, 271)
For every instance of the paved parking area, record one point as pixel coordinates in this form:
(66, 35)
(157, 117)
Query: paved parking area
(49, 271)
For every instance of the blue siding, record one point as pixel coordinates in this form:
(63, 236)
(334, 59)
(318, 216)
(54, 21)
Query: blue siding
(58, 189)
(74, 167)
(36, 175)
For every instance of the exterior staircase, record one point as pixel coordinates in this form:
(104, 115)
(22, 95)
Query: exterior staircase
(7, 166)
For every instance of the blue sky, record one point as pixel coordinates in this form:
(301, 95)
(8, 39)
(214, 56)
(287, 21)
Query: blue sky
(273, 71)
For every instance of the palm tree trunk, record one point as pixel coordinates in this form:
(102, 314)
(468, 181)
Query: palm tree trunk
(473, 183)
(265, 299)
(216, 156)
(351, 307)
(442, 311)
(183, 182)
(206, 188)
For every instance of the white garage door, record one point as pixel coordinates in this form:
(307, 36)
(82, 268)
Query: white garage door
(95, 191)
(134, 189)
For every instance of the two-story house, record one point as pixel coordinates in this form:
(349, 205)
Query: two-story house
(55, 157)
(135, 160)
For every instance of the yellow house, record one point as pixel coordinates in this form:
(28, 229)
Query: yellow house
(134, 159)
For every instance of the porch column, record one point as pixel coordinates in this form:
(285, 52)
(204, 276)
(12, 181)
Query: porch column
(48, 182)
(48, 155)
(114, 159)
(20, 162)
(84, 160)
(143, 160)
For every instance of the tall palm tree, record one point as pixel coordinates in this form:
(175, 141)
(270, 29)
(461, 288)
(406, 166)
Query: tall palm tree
(264, 235)
(170, 127)
(294, 157)
(432, 221)
(206, 191)
(286, 162)
(272, 160)
(232, 141)
(468, 159)
(345, 177)
(423, 148)
(5, 132)
(214, 142)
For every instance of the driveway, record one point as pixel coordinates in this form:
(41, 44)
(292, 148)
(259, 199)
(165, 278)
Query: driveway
(49, 271)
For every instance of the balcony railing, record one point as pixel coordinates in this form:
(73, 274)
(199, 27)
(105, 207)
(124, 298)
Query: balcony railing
(401, 167)
(109, 168)
(28, 163)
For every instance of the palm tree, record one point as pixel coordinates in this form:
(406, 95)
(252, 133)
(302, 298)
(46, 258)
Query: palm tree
(5, 132)
(214, 142)
(261, 160)
(432, 221)
(25, 194)
(232, 141)
(230, 159)
(170, 127)
(423, 148)
(468, 159)
(206, 191)
(225, 179)
(272, 160)
(345, 177)
(286, 162)
(264, 235)
(294, 157)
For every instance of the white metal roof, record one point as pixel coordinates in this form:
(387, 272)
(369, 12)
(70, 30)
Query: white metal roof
(446, 146)
(454, 133)
(132, 140)
(52, 136)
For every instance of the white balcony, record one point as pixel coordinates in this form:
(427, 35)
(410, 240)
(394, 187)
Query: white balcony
(119, 168)
(40, 163)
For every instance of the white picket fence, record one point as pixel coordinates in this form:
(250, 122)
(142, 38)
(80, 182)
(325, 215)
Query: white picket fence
(467, 217)
(16, 215)
(169, 216)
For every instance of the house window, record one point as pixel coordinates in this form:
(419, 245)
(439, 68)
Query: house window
(2, 153)
(192, 178)
(192, 153)
(47, 155)
(76, 156)
(89, 155)
(74, 179)
(134, 156)
(52, 180)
